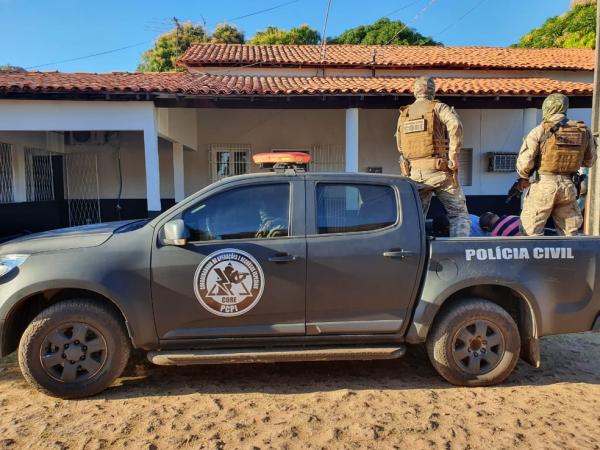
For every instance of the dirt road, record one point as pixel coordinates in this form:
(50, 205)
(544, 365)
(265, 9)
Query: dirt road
(388, 404)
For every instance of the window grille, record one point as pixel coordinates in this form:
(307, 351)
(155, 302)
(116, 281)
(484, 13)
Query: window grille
(228, 160)
(38, 175)
(502, 162)
(465, 161)
(327, 158)
(82, 188)
(6, 174)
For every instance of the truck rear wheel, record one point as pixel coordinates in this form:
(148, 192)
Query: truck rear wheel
(74, 349)
(474, 343)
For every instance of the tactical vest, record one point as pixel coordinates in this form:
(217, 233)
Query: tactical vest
(422, 134)
(564, 150)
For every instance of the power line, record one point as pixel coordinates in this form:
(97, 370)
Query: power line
(324, 35)
(280, 5)
(161, 21)
(402, 8)
(419, 14)
(93, 55)
(460, 18)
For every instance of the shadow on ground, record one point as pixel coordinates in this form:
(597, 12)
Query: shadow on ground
(565, 359)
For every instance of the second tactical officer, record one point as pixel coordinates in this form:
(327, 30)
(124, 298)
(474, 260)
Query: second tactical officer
(556, 150)
(429, 138)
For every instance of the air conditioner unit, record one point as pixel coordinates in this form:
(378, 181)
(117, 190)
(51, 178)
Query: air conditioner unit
(86, 138)
(502, 162)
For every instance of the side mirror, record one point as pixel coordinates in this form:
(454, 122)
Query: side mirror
(175, 233)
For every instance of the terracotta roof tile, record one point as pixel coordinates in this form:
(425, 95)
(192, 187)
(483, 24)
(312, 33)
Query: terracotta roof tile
(248, 85)
(234, 85)
(390, 56)
(116, 82)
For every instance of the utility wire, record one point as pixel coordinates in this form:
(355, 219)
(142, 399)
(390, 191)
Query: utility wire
(324, 35)
(115, 50)
(280, 5)
(460, 18)
(419, 14)
(79, 58)
(402, 8)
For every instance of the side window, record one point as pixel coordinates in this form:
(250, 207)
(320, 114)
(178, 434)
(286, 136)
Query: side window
(248, 212)
(345, 208)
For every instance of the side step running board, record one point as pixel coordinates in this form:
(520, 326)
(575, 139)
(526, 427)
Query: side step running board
(270, 355)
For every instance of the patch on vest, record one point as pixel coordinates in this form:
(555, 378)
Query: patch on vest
(570, 139)
(414, 126)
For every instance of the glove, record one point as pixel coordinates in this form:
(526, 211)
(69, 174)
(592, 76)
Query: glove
(453, 164)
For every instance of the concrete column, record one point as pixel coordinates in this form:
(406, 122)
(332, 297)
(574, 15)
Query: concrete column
(19, 175)
(152, 167)
(352, 140)
(529, 120)
(178, 174)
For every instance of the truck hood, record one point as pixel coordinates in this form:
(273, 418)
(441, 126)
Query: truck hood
(68, 238)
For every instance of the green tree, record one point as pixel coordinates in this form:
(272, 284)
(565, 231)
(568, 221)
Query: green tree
(383, 31)
(170, 46)
(301, 35)
(227, 34)
(575, 29)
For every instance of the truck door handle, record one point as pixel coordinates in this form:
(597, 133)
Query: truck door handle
(281, 258)
(398, 253)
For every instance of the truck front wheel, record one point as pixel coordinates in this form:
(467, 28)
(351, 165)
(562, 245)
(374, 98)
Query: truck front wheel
(74, 349)
(474, 343)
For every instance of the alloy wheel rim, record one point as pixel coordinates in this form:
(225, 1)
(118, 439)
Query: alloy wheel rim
(478, 347)
(73, 352)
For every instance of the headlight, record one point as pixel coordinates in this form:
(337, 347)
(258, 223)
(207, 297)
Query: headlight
(9, 262)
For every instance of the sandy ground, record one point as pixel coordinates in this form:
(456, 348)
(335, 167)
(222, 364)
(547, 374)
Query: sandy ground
(385, 404)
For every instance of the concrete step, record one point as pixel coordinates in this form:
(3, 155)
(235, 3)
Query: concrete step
(270, 355)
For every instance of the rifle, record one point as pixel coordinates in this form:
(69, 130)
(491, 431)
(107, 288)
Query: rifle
(513, 192)
(578, 179)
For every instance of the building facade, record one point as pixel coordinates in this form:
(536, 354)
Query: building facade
(83, 148)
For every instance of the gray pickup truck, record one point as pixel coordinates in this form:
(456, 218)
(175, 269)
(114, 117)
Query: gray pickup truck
(287, 267)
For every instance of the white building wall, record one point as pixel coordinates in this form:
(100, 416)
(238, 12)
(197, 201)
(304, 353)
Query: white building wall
(265, 130)
(128, 144)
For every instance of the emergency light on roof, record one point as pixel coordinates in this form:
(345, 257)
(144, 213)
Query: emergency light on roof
(282, 160)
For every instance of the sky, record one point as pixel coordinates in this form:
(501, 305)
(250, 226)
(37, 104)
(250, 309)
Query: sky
(43, 35)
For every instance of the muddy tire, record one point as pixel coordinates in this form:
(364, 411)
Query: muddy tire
(74, 349)
(474, 343)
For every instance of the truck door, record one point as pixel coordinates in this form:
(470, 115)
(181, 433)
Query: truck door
(242, 272)
(363, 256)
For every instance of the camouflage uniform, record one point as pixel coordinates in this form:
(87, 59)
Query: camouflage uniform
(441, 182)
(552, 194)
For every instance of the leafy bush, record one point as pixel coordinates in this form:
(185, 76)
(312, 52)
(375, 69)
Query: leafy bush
(575, 29)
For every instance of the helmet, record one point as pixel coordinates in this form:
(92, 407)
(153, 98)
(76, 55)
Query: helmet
(424, 88)
(555, 104)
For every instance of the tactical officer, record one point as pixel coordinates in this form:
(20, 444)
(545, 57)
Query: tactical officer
(429, 137)
(554, 151)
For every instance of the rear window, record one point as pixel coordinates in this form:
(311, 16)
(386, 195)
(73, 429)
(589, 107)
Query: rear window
(348, 208)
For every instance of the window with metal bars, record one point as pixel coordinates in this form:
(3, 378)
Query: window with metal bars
(228, 160)
(38, 175)
(6, 174)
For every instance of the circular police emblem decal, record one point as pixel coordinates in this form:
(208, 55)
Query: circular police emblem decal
(229, 282)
